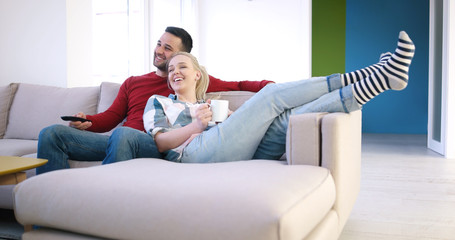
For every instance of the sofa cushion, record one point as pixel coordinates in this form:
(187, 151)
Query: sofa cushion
(6, 196)
(6, 98)
(17, 147)
(108, 93)
(35, 107)
(235, 98)
(157, 199)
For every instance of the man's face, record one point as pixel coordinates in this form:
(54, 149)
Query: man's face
(166, 46)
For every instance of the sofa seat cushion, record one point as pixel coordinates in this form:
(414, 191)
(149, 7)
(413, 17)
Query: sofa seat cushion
(157, 199)
(6, 196)
(17, 147)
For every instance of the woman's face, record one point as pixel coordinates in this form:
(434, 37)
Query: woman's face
(182, 76)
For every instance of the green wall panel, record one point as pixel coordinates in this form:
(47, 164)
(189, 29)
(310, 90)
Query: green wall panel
(328, 37)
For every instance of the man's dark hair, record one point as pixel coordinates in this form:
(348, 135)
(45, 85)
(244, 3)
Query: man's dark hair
(187, 41)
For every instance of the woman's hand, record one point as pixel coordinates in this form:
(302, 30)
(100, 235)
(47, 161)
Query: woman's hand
(203, 116)
(184, 135)
(209, 101)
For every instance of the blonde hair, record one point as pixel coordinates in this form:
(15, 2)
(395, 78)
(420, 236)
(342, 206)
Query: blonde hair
(203, 83)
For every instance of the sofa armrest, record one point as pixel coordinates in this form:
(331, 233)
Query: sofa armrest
(341, 138)
(332, 141)
(303, 139)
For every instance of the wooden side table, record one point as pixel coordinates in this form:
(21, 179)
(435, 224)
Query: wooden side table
(12, 171)
(12, 168)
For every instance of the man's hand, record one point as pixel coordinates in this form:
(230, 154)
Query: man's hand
(80, 125)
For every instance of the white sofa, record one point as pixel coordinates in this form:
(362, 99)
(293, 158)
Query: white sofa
(308, 196)
(25, 109)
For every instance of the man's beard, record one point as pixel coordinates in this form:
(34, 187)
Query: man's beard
(162, 66)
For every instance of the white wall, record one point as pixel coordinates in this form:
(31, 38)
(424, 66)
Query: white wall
(255, 40)
(42, 42)
(79, 42)
(33, 42)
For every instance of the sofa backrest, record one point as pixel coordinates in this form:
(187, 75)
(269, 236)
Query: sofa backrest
(235, 98)
(109, 90)
(108, 93)
(36, 106)
(25, 109)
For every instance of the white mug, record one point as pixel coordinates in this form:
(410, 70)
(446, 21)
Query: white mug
(220, 110)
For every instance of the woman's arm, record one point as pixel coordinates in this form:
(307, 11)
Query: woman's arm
(172, 139)
(176, 137)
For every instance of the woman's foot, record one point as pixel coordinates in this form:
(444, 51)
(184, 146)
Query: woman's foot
(397, 67)
(392, 75)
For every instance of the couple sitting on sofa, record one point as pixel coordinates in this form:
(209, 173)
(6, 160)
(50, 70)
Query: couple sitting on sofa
(269, 110)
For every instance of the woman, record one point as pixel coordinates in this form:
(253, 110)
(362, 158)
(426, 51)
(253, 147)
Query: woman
(179, 123)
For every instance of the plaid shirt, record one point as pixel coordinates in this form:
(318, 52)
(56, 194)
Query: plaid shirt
(163, 114)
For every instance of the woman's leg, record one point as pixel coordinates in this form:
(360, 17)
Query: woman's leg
(392, 75)
(273, 144)
(238, 137)
(312, 89)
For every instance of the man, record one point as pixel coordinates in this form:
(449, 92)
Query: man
(59, 143)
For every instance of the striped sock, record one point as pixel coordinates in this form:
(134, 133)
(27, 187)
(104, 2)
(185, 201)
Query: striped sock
(352, 77)
(392, 75)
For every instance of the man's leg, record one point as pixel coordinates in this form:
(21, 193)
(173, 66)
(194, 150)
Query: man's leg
(58, 143)
(127, 143)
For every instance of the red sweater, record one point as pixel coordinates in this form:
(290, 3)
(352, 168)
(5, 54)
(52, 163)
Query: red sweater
(135, 91)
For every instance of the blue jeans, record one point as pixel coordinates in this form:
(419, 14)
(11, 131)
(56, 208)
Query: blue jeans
(243, 133)
(59, 143)
(273, 144)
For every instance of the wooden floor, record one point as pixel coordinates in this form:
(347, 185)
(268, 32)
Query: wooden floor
(407, 191)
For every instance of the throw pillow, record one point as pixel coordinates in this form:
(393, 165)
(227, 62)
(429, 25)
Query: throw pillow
(6, 98)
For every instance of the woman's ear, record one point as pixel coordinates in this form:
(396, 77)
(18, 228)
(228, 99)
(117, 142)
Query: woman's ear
(198, 75)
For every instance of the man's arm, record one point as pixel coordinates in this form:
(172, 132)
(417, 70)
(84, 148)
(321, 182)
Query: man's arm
(109, 119)
(217, 85)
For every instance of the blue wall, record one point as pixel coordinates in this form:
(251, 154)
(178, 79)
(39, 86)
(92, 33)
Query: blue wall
(372, 27)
